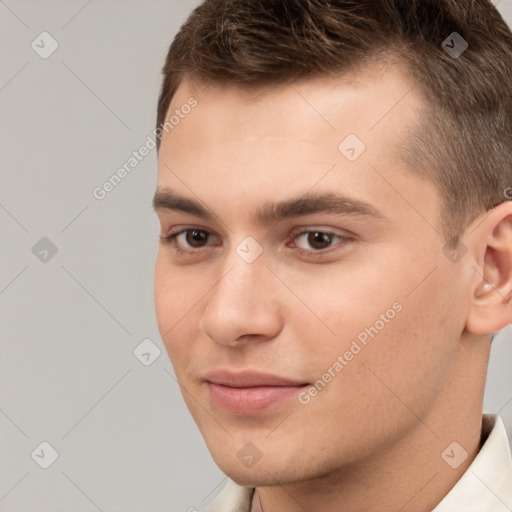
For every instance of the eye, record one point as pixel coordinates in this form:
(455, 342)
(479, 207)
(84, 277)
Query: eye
(312, 241)
(316, 240)
(188, 239)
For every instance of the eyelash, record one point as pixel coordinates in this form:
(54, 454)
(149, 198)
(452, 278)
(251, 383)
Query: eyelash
(171, 240)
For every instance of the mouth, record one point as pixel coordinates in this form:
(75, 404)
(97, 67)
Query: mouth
(250, 392)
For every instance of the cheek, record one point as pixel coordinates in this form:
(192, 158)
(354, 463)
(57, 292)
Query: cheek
(175, 297)
(411, 358)
(386, 328)
(163, 296)
(338, 304)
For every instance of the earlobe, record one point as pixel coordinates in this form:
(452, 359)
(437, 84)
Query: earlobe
(491, 307)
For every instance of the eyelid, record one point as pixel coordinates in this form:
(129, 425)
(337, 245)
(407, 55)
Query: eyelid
(322, 229)
(326, 231)
(172, 235)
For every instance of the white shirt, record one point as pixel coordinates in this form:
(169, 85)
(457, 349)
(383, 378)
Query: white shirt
(486, 486)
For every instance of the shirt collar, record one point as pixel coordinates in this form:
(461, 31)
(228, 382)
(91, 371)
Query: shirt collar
(486, 486)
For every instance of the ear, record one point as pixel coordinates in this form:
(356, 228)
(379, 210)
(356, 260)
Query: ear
(490, 307)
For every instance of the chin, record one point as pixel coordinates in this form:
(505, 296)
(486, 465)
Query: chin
(264, 477)
(264, 473)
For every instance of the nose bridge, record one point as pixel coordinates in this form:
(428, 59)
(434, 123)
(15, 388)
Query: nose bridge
(241, 279)
(243, 265)
(241, 303)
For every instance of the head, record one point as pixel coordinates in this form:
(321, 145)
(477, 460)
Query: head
(342, 173)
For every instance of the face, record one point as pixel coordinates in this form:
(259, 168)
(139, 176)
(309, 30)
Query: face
(302, 285)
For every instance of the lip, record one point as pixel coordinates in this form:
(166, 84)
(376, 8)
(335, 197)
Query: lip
(250, 392)
(249, 378)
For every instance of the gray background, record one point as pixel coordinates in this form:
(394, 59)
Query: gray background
(70, 324)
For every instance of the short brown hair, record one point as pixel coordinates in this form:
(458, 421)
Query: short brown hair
(463, 143)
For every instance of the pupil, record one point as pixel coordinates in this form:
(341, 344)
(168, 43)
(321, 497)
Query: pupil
(195, 237)
(318, 238)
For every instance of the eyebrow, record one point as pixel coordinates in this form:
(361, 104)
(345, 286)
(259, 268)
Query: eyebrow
(306, 204)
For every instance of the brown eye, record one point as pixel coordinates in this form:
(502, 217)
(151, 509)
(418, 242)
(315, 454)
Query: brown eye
(196, 237)
(319, 240)
(187, 240)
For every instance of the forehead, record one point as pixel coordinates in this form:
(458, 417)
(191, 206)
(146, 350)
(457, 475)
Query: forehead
(374, 103)
(325, 133)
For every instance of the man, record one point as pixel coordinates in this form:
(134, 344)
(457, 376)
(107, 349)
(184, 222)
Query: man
(337, 249)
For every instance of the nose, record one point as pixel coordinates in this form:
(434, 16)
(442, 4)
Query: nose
(243, 305)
